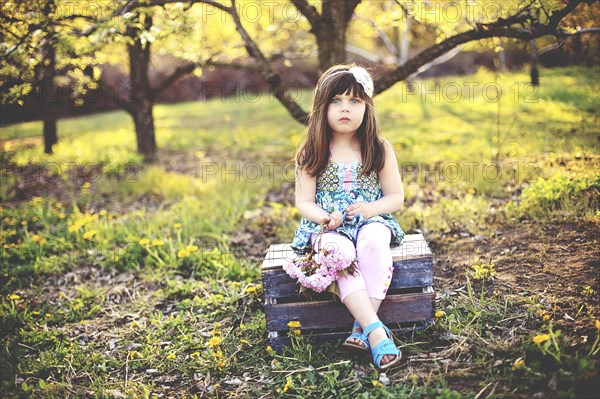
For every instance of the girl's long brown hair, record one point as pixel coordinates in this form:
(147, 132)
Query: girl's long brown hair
(313, 154)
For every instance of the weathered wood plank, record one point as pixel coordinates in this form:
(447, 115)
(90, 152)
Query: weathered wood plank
(413, 249)
(278, 341)
(407, 274)
(333, 314)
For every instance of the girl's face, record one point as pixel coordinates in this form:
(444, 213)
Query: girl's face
(345, 113)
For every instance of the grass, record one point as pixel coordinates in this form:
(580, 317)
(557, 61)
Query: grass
(128, 280)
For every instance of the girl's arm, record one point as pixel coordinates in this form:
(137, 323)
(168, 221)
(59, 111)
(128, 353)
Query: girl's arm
(391, 185)
(306, 189)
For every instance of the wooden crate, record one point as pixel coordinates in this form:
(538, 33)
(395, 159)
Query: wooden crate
(409, 301)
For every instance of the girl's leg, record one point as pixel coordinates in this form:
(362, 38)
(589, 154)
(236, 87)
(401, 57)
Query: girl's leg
(375, 260)
(375, 263)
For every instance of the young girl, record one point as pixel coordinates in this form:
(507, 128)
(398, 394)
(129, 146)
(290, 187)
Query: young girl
(347, 178)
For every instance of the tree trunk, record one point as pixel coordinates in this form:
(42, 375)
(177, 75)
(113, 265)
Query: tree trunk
(331, 36)
(533, 56)
(49, 93)
(330, 31)
(144, 129)
(141, 96)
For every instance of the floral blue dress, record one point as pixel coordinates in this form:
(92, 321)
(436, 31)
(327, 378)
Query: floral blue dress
(340, 185)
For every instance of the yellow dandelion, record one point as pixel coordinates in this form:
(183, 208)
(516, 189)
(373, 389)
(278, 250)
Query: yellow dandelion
(243, 341)
(157, 243)
(214, 341)
(440, 313)
(218, 354)
(86, 185)
(61, 215)
(36, 200)
(541, 338)
(218, 325)
(376, 383)
(518, 363)
(171, 356)
(191, 248)
(288, 384)
(546, 317)
(14, 297)
(269, 349)
(598, 325)
(177, 226)
(48, 315)
(251, 289)
(36, 313)
(294, 324)
(183, 253)
(297, 332)
(103, 212)
(134, 324)
(36, 238)
(89, 234)
(220, 363)
(144, 241)
(24, 223)
(195, 355)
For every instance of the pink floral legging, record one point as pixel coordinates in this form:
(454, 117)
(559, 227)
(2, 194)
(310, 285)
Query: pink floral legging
(374, 258)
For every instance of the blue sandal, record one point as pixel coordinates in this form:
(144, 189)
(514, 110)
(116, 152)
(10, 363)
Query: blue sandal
(385, 347)
(359, 336)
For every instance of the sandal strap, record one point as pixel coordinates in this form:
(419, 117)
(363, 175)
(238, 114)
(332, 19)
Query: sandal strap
(386, 347)
(373, 326)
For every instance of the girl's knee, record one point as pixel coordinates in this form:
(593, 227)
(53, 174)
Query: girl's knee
(334, 242)
(374, 239)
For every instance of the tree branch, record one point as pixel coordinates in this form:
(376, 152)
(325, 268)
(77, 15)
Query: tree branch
(499, 28)
(272, 78)
(309, 12)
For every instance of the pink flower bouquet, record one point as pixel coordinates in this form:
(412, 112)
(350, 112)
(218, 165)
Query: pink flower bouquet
(319, 269)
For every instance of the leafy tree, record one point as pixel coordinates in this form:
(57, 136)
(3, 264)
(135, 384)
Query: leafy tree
(36, 50)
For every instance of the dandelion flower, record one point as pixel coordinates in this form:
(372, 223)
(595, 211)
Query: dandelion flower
(440, 313)
(157, 243)
(598, 325)
(183, 253)
(269, 349)
(541, 338)
(89, 234)
(214, 341)
(36, 238)
(518, 363)
(14, 297)
(144, 241)
(243, 341)
(288, 384)
(103, 212)
(171, 356)
(177, 226)
(294, 324)
(195, 355)
(191, 248)
(86, 185)
(36, 200)
(546, 317)
(377, 384)
(251, 289)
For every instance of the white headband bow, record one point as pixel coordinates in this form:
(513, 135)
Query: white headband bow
(360, 75)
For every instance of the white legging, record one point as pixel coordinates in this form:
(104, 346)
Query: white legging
(373, 255)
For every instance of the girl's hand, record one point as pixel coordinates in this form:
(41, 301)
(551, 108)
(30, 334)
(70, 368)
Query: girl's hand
(333, 220)
(359, 208)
